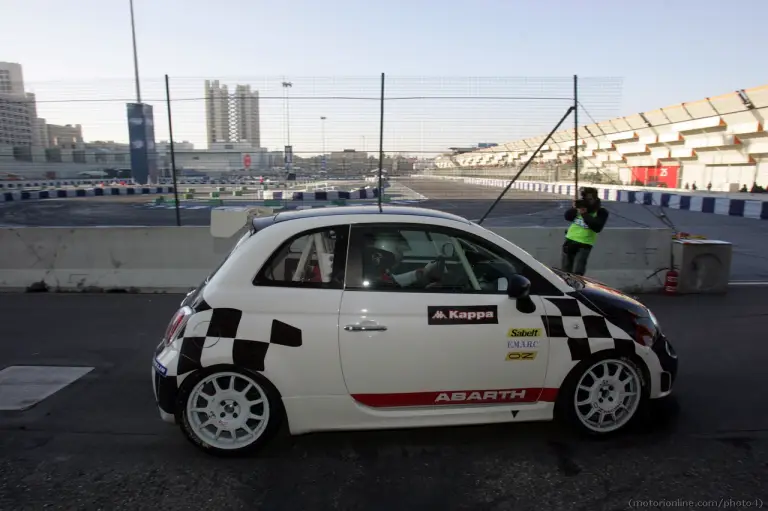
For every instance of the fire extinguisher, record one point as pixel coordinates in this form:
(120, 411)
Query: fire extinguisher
(670, 282)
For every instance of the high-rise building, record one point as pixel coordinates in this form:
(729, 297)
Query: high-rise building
(11, 78)
(18, 111)
(233, 117)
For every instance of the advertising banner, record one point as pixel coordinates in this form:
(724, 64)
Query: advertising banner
(141, 137)
(665, 176)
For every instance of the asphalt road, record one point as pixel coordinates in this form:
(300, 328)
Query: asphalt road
(99, 444)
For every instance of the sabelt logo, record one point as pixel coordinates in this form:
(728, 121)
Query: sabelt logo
(524, 332)
(480, 396)
(462, 315)
(521, 355)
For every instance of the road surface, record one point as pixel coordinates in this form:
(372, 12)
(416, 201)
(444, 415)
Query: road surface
(99, 444)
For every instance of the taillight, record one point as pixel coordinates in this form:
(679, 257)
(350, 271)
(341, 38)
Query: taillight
(177, 322)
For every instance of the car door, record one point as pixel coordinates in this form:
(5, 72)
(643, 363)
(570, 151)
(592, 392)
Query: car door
(459, 341)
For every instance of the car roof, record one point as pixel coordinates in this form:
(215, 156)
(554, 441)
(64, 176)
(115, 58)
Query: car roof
(283, 216)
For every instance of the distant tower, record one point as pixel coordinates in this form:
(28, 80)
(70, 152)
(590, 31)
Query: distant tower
(232, 117)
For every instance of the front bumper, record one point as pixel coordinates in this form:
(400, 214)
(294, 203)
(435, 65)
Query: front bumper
(164, 385)
(668, 362)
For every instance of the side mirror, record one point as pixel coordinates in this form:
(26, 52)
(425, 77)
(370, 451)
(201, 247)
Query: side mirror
(518, 287)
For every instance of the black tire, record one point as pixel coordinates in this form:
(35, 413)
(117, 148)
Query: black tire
(275, 419)
(565, 408)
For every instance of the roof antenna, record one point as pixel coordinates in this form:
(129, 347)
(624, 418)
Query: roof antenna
(546, 139)
(381, 141)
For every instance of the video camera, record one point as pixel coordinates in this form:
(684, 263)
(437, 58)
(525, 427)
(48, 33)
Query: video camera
(585, 191)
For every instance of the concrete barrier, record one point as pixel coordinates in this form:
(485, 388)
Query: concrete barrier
(174, 259)
(28, 195)
(164, 259)
(629, 259)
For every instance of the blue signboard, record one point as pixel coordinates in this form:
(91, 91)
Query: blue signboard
(141, 137)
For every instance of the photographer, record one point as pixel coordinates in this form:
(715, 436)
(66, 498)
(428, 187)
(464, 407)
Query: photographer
(587, 218)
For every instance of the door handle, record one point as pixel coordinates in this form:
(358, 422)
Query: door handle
(365, 328)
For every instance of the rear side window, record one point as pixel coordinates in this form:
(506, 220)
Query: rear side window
(312, 259)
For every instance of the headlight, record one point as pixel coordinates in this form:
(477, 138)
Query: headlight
(654, 320)
(646, 329)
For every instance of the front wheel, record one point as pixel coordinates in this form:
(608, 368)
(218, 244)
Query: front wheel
(228, 412)
(603, 396)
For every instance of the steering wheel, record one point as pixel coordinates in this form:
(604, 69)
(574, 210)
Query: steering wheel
(441, 268)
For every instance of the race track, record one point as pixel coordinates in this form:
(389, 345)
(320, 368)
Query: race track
(99, 444)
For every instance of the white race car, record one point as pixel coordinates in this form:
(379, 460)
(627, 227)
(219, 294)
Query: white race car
(354, 318)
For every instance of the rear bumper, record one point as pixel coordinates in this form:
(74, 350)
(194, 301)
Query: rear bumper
(164, 387)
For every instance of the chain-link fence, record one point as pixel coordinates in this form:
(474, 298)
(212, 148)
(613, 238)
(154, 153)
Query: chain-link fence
(265, 139)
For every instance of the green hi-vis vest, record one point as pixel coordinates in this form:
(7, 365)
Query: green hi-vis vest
(580, 233)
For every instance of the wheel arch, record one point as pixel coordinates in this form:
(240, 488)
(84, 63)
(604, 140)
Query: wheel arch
(575, 372)
(195, 376)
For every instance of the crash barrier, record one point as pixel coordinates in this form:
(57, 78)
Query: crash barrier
(174, 259)
(20, 185)
(23, 195)
(702, 202)
(362, 193)
(54, 183)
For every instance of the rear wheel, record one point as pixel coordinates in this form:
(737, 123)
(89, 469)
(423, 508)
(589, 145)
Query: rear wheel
(228, 412)
(603, 395)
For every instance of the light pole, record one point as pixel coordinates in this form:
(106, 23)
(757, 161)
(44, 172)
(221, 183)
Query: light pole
(288, 158)
(322, 135)
(135, 56)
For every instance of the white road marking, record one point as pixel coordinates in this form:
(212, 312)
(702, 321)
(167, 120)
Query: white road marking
(22, 387)
(748, 283)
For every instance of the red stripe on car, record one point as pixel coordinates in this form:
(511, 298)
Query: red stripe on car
(454, 397)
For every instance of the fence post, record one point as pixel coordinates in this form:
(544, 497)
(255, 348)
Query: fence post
(576, 135)
(381, 142)
(173, 154)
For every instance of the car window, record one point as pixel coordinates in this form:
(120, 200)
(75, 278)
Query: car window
(313, 259)
(410, 257)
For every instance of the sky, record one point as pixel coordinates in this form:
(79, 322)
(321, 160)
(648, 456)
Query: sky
(457, 72)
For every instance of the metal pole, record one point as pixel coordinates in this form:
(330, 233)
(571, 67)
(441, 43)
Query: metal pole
(576, 135)
(287, 86)
(135, 56)
(522, 169)
(322, 130)
(381, 140)
(173, 154)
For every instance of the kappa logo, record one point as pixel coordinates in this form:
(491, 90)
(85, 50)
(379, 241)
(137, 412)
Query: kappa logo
(524, 332)
(521, 355)
(521, 345)
(481, 396)
(462, 315)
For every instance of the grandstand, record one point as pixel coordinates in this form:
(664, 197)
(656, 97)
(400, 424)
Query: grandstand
(719, 141)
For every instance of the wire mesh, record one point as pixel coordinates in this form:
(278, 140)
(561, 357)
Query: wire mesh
(324, 131)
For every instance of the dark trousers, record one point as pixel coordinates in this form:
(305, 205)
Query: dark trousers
(575, 256)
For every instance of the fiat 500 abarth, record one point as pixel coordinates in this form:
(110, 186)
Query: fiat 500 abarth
(355, 318)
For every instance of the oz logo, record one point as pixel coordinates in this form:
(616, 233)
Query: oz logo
(521, 355)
